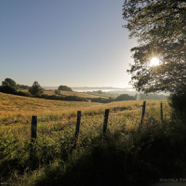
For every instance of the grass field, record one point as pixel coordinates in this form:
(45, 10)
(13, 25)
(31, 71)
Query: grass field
(17, 111)
(68, 93)
(78, 94)
(124, 156)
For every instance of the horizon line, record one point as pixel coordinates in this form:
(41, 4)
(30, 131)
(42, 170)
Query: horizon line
(103, 87)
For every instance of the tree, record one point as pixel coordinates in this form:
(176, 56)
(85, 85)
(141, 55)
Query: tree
(36, 89)
(64, 88)
(160, 28)
(168, 16)
(124, 97)
(169, 76)
(9, 82)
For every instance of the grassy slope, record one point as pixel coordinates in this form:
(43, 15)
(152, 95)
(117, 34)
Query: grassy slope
(68, 93)
(16, 111)
(15, 104)
(55, 161)
(78, 94)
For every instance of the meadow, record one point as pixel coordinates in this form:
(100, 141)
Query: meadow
(127, 154)
(74, 93)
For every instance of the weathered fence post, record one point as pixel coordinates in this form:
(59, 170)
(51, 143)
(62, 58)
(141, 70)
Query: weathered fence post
(161, 110)
(34, 128)
(105, 121)
(78, 125)
(143, 111)
(33, 136)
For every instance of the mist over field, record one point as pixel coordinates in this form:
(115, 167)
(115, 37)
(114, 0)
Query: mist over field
(85, 89)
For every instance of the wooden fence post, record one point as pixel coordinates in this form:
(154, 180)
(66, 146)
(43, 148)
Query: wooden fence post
(33, 136)
(161, 110)
(34, 128)
(143, 112)
(105, 121)
(78, 125)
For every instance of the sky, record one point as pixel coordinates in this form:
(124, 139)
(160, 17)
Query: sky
(60, 42)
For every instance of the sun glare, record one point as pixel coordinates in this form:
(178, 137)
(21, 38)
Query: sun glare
(154, 61)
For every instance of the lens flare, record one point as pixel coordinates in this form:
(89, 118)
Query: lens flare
(154, 61)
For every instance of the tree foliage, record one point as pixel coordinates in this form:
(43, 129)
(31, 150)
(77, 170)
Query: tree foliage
(8, 89)
(22, 86)
(57, 92)
(64, 88)
(168, 16)
(124, 97)
(9, 82)
(36, 89)
(160, 27)
(178, 103)
(168, 76)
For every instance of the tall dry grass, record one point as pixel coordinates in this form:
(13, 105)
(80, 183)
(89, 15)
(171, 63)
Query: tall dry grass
(56, 129)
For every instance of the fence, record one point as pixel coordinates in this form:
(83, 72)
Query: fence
(34, 121)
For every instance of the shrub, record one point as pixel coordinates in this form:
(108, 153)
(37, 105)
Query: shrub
(57, 92)
(8, 89)
(178, 104)
(23, 93)
(102, 100)
(22, 86)
(44, 96)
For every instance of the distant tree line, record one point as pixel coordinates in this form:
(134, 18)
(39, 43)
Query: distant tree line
(9, 86)
(22, 86)
(124, 97)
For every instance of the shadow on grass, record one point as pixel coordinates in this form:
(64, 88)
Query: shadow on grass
(119, 158)
(135, 159)
(17, 159)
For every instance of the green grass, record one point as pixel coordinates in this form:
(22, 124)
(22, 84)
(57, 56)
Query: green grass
(125, 156)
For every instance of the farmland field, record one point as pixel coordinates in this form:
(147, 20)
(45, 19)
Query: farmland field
(74, 93)
(54, 147)
(16, 113)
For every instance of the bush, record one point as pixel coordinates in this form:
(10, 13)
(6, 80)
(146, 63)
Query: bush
(20, 93)
(8, 89)
(102, 100)
(22, 86)
(57, 92)
(52, 97)
(73, 98)
(178, 104)
(44, 96)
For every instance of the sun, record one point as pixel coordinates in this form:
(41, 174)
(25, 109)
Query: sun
(154, 61)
